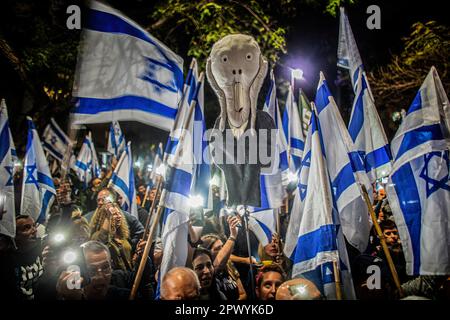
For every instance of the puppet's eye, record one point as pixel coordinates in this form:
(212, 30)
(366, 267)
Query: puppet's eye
(249, 56)
(224, 59)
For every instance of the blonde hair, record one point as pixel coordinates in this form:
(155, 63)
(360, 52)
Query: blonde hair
(99, 217)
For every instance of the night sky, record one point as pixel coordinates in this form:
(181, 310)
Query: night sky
(311, 44)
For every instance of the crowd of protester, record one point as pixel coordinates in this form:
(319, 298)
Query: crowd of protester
(107, 245)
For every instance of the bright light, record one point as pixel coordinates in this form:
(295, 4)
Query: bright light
(161, 170)
(69, 257)
(214, 181)
(297, 74)
(59, 237)
(149, 167)
(137, 164)
(292, 177)
(195, 201)
(18, 163)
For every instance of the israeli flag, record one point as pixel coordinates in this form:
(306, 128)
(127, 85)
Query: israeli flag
(86, 165)
(313, 241)
(189, 89)
(122, 181)
(365, 126)
(419, 185)
(292, 128)
(38, 190)
(124, 73)
(177, 189)
(157, 161)
(263, 225)
(116, 140)
(348, 53)
(55, 141)
(345, 180)
(271, 186)
(202, 169)
(8, 218)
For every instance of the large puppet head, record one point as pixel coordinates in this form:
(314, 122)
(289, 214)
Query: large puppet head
(236, 70)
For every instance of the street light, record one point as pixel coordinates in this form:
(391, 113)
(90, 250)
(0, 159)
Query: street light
(297, 74)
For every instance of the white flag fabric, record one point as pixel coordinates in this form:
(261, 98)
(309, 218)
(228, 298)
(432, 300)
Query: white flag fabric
(124, 73)
(38, 190)
(365, 126)
(157, 162)
(86, 165)
(293, 131)
(419, 185)
(263, 225)
(122, 181)
(348, 53)
(116, 140)
(55, 140)
(189, 89)
(345, 180)
(8, 217)
(313, 239)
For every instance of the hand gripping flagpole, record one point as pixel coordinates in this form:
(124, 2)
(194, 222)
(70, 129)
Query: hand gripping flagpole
(383, 242)
(161, 203)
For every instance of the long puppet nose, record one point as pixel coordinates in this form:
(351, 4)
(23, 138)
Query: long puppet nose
(238, 97)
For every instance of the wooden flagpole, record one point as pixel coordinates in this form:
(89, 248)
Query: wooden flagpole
(383, 242)
(337, 280)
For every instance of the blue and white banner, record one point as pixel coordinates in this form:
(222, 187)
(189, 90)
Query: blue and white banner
(124, 73)
(86, 166)
(122, 181)
(314, 238)
(365, 126)
(38, 190)
(419, 185)
(345, 180)
(7, 149)
(55, 141)
(348, 53)
(116, 140)
(263, 224)
(189, 89)
(292, 127)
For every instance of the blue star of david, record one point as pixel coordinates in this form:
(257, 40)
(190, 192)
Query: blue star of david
(152, 67)
(303, 188)
(307, 160)
(53, 140)
(433, 185)
(30, 177)
(9, 169)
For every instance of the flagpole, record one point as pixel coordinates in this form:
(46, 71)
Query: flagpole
(152, 208)
(337, 280)
(383, 242)
(148, 243)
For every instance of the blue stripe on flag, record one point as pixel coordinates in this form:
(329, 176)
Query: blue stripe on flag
(343, 180)
(378, 157)
(356, 159)
(4, 141)
(50, 148)
(121, 184)
(297, 161)
(297, 144)
(418, 136)
(180, 182)
(95, 105)
(107, 22)
(322, 97)
(43, 179)
(409, 200)
(357, 120)
(266, 230)
(310, 244)
(58, 133)
(416, 104)
(45, 202)
(83, 166)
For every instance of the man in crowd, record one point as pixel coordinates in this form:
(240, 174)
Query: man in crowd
(180, 283)
(21, 268)
(100, 281)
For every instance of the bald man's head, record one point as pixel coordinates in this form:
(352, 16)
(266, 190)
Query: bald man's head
(298, 289)
(180, 283)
